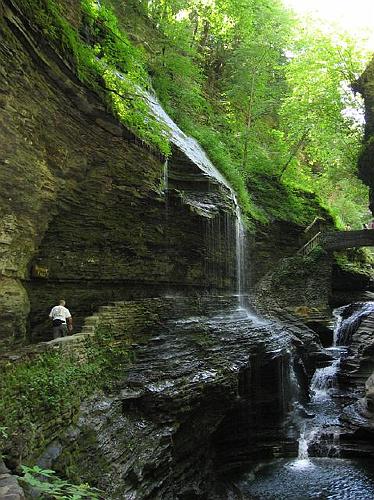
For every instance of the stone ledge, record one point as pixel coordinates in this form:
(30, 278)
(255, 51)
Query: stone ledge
(9, 487)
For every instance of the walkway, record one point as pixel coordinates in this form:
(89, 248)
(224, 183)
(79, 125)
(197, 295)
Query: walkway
(339, 240)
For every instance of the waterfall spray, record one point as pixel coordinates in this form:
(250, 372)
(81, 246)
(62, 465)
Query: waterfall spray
(166, 177)
(240, 259)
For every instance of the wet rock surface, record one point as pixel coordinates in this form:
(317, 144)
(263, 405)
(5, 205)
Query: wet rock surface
(84, 213)
(365, 85)
(207, 395)
(9, 487)
(356, 381)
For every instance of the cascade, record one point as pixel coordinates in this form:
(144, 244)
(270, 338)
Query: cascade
(349, 319)
(325, 475)
(165, 186)
(240, 258)
(192, 149)
(303, 449)
(323, 432)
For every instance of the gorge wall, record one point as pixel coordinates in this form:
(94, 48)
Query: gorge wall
(84, 214)
(207, 394)
(365, 85)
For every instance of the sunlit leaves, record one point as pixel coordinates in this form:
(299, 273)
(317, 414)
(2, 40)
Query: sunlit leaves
(321, 105)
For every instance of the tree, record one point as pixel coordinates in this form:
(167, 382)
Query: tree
(320, 117)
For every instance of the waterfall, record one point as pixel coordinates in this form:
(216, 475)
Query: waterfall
(192, 149)
(240, 261)
(323, 432)
(348, 320)
(303, 448)
(165, 185)
(323, 380)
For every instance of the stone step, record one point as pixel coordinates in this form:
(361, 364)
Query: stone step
(91, 320)
(105, 308)
(88, 329)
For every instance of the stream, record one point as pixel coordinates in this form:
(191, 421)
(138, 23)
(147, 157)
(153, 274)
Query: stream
(318, 471)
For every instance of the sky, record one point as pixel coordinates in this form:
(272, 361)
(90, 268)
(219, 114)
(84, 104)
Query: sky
(354, 16)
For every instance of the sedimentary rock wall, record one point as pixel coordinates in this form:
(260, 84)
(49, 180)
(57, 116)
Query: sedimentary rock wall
(365, 85)
(207, 394)
(83, 212)
(356, 379)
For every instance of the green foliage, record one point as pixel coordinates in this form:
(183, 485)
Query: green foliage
(284, 201)
(260, 91)
(319, 116)
(360, 260)
(48, 485)
(53, 385)
(314, 256)
(105, 60)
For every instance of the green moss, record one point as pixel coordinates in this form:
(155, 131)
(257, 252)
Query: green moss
(356, 260)
(280, 201)
(40, 396)
(101, 53)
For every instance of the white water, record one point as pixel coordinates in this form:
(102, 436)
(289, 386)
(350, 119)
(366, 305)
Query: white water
(346, 326)
(192, 149)
(240, 259)
(165, 186)
(303, 448)
(324, 430)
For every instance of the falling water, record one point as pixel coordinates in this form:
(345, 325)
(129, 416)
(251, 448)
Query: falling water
(325, 475)
(324, 431)
(303, 449)
(240, 261)
(165, 186)
(349, 319)
(192, 149)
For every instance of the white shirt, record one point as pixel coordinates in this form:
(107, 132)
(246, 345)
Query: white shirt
(60, 312)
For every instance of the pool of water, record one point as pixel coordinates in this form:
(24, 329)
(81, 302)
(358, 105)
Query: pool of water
(323, 478)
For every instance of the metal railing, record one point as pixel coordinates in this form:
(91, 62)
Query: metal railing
(311, 244)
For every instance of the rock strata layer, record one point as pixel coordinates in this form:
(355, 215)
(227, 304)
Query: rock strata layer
(356, 379)
(208, 394)
(84, 212)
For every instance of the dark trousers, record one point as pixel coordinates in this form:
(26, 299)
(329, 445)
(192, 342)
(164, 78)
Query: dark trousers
(60, 331)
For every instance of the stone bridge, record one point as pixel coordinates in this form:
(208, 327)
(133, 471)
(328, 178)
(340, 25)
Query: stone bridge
(338, 240)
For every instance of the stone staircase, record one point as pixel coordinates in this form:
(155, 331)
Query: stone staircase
(110, 314)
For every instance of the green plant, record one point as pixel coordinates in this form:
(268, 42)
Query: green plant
(105, 60)
(51, 387)
(48, 485)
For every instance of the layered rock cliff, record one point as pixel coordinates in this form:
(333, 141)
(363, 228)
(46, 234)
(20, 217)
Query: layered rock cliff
(91, 213)
(207, 395)
(85, 213)
(365, 85)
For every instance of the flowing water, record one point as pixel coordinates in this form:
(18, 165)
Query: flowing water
(323, 478)
(165, 185)
(349, 319)
(318, 472)
(195, 153)
(240, 257)
(303, 477)
(192, 149)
